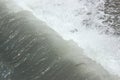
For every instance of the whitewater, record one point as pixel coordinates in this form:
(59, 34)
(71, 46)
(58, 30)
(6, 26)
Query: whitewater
(80, 21)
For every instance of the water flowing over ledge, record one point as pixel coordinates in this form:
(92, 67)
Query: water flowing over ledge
(92, 24)
(30, 50)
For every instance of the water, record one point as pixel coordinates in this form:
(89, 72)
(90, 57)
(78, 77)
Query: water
(87, 23)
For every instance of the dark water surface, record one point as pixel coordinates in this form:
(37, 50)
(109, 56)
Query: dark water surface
(29, 50)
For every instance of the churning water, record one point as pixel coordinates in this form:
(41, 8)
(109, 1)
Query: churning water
(87, 23)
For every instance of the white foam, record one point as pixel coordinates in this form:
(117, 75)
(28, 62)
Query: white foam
(65, 16)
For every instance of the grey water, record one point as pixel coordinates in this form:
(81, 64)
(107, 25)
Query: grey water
(31, 50)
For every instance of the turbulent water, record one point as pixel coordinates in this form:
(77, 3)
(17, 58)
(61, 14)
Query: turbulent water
(92, 24)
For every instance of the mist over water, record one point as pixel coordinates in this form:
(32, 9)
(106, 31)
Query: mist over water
(83, 21)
